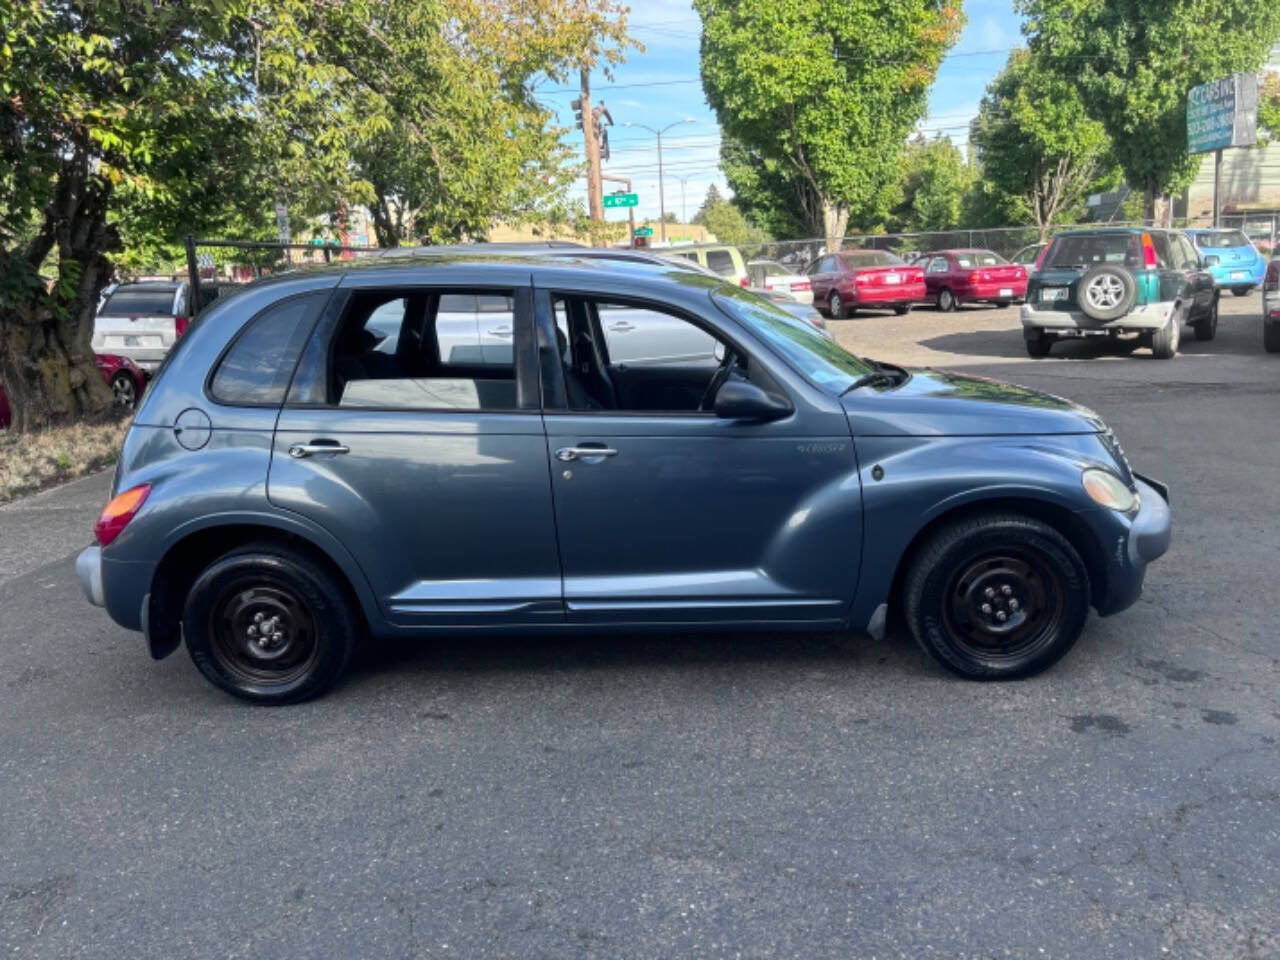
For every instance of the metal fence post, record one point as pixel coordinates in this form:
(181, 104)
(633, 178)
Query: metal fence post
(193, 272)
(327, 258)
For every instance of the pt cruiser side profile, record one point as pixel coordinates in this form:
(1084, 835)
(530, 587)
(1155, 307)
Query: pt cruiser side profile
(305, 473)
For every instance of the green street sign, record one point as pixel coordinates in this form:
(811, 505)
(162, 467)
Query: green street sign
(612, 200)
(644, 231)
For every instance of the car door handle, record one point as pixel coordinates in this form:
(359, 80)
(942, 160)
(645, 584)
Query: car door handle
(622, 326)
(499, 332)
(569, 454)
(301, 450)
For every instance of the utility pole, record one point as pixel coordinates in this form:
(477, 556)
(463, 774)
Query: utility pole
(582, 106)
(631, 211)
(662, 204)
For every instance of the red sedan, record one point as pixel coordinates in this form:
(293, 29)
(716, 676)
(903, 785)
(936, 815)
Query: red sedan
(972, 276)
(846, 282)
(125, 377)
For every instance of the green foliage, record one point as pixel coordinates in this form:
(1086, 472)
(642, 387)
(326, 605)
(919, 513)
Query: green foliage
(935, 184)
(712, 198)
(770, 192)
(827, 90)
(1133, 62)
(729, 225)
(1269, 108)
(1041, 152)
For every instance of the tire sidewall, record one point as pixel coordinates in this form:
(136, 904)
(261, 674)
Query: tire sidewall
(927, 596)
(334, 620)
(946, 300)
(1127, 299)
(836, 307)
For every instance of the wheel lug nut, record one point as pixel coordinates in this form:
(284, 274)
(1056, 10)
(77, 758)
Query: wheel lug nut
(988, 593)
(259, 617)
(1006, 590)
(1013, 605)
(986, 608)
(1001, 616)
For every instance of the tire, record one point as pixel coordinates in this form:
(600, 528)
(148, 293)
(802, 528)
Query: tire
(1001, 304)
(946, 300)
(902, 311)
(955, 591)
(1271, 337)
(836, 307)
(1164, 342)
(1038, 347)
(1242, 291)
(1207, 327)
(125, 390)
(316, 625)
(1106, 292)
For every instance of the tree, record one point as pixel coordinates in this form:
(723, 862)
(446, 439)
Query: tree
(1269, 108)
(828, 89)
(712, 198)
(1039, 148)
(770, 192)
(728, 224)
(935, 183)
(96, 100)
(1133, 62)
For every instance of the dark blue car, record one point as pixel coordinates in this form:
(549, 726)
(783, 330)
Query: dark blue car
(1231, 258)
(305, 474)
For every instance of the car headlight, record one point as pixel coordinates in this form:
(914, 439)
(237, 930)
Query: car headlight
(1108, 490)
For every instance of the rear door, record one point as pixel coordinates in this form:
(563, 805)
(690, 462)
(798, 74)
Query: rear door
(429, 467)
(1200, 287)
(935, 275)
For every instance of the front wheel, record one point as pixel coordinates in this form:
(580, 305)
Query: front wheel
(1164, 342)
(270, 625)
(837, 307)
(946, 300)
(997, 596)
(1207, 327)
(1271, 337)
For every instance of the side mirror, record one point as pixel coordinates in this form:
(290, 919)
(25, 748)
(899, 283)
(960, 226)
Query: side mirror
(1211, 261)
(740, 400)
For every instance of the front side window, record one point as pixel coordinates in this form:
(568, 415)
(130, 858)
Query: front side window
(825, 363)
(257, 367)
(938, 265)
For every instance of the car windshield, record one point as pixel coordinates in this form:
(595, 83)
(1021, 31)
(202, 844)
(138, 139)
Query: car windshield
(871, 258)
(1087, 249)
(1221, 241)
(981, 258)
(828, 365)
(133, 302)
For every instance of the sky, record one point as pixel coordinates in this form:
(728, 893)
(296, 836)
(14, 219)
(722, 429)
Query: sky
(660, 87)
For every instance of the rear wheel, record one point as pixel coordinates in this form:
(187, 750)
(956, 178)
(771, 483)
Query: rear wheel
(1164, 342)
(1242, 291)
(901, 311)
(125, 390)
(997, 596)
(1038, 344)
(837, 307)
(270, 625)
(1271, 337)
(1001, 304)
(1207, 327)
(946, 300)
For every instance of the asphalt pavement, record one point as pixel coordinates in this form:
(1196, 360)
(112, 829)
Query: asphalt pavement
(683, 796)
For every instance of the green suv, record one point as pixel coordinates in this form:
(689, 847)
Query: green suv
(1120, 280)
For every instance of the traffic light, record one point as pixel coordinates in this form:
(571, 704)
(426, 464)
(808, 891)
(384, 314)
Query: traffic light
(577, 112)
(640, 243)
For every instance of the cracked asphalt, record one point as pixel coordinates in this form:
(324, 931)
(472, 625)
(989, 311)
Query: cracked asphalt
(681, 796)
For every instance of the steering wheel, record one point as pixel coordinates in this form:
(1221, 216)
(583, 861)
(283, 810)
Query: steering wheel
(717, 381)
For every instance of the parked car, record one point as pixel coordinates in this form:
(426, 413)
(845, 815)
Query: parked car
(721, 259)
(142, 321)
(126, 379)
(1120, 280)
(1231, 258)
(1029, 256)
(953, 277)
(285, 491)
(846, 282)
(1271, 307)
(773, 276)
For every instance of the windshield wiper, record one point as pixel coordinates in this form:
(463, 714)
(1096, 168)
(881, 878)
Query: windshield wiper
(885, 374)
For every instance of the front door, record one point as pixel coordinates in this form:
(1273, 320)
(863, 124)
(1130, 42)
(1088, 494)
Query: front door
(667, 513)
(426, 462)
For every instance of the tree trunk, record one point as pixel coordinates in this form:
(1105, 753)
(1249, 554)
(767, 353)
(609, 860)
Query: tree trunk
(46, 356)
(835, 220)
(1157, 207)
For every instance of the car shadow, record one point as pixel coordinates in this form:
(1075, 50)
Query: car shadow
(1008, 344)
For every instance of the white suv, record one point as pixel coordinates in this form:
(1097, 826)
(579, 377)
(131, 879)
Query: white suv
(142, 321)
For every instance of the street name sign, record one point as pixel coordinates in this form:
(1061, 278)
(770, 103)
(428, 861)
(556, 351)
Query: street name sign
(612, 200)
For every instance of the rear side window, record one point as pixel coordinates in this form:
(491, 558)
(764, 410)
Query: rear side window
(257, 367)
(136, 303)
(721, 261)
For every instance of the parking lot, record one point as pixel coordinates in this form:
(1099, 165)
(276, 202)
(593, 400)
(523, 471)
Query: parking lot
(691, 796)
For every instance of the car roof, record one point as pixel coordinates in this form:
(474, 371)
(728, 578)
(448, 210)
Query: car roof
(1214, 230)
(148, 285)
(1112, 231)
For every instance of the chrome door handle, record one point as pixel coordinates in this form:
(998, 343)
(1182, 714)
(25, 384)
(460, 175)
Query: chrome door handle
(622, 326)
(568, 454)
(499, 332)
(300, 450)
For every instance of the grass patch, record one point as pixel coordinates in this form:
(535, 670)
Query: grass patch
(33, 461)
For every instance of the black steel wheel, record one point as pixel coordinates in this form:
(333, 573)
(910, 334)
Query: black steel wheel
(997, 596)
(270, 625)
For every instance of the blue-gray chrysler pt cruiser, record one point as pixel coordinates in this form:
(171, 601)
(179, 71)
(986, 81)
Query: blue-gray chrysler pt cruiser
(507, 444)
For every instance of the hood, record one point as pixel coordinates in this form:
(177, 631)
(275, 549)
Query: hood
(942, 404)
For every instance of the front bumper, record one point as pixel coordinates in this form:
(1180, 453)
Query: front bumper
(1146, 539)
(89, 570)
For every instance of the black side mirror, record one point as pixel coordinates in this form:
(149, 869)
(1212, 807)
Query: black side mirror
(740, 400)
(1211, 261)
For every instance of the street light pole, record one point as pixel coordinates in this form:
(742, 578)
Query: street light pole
(662, 203)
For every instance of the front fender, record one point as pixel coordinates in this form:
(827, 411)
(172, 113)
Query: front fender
(909, 483)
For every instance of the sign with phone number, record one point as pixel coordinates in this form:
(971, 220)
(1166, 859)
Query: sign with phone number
(1223, 113)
